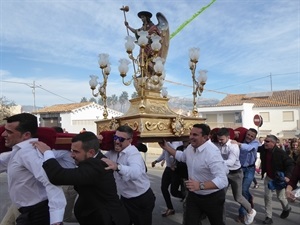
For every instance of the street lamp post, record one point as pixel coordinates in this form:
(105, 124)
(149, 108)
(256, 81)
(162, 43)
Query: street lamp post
(105, 69)
(198, 85)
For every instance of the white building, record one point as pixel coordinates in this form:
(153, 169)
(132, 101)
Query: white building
(280, 111)
(74, 117)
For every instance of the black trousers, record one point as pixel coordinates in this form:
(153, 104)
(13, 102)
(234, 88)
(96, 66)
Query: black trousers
(170, 178)
(37, 214)
(211, 205)
(140, 208)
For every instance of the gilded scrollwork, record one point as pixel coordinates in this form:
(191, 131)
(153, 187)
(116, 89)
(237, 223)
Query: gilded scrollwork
(178, 126)
(158, 109)
(134, 125)
(114, 124)
(153, 126)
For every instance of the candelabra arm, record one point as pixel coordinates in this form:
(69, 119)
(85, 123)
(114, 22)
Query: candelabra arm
(94, 94)
(127, 83)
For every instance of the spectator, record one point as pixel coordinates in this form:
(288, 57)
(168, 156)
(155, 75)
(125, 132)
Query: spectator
(273, 160)
(169, 178)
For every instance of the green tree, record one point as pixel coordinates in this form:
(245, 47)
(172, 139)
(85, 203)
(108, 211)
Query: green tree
(92, 99)
(5, 108)
(123, 99)
(134, 95)
(114, 100)
(84, 99)
(100, 102)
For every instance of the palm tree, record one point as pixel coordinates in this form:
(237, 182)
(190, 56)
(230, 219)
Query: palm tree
(123, 99)
(114, 100)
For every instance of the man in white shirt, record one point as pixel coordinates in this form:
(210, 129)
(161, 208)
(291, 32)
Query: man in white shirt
(231, 155)
(29, 186)
(207, 176)
(132, 180)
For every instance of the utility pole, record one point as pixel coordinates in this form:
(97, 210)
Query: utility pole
(33, 92)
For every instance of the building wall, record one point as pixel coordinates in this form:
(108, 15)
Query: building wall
(276, 125)
(83, 117)
(218, 117)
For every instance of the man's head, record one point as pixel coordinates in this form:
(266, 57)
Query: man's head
(270, 141)
(250, 135)
(261, 140)
(199, 134)
(18, 128)
(123, 138)
(223, 136)
(84, 145)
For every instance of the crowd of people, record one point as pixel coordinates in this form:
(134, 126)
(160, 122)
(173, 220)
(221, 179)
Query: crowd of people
(114, 188)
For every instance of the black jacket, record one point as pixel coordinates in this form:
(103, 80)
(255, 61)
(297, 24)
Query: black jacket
(98, 201)
(280, 161)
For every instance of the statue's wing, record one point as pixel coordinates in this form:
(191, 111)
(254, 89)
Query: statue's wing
(163, 26)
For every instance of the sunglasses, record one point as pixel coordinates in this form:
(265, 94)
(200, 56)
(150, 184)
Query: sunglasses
(120, 139)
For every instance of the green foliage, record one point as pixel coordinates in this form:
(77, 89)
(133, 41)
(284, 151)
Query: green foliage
(84, 99)
(134, 95)
(92, 99)
(5, 109)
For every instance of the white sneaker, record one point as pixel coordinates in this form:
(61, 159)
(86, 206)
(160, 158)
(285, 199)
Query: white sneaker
(250, 217)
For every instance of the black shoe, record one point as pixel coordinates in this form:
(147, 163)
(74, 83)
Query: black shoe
(168, 212)
(268, 221)
(285, 213)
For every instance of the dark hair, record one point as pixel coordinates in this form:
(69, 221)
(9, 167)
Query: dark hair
(89, 141)
(223, 132)
(253, 130)
(126, 129)
(58, 129)
(204, 127)
(273, 138)
(27, 123)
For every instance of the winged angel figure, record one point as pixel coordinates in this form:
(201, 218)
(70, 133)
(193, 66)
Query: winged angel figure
(152, 81)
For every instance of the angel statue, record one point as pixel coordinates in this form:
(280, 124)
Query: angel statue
(149, 57)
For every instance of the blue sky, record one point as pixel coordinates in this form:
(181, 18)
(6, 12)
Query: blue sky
(55, 43)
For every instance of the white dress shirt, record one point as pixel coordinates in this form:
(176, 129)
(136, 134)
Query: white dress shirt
(165, 155)
(132, 179)
(205, 164)
(231, 154)
(28, 183)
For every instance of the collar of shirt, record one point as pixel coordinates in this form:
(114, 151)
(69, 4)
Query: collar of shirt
(203, 146)
(25, 144)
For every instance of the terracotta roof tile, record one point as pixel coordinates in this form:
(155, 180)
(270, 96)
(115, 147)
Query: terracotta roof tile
(271, 99)
(62, 107)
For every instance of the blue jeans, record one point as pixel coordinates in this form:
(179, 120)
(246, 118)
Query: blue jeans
(249, 173)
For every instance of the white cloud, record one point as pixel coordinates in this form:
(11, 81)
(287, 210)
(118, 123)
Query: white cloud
(56, 44)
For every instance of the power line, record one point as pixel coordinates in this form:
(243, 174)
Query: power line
(34, 86)
(56, 94)
(190, 86)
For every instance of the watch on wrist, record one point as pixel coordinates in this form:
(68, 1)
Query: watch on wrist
(202, 186)
(118, 167)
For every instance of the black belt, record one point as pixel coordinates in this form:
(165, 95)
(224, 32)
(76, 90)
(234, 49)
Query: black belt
(249, 166)
(235, 171)
(33, 207)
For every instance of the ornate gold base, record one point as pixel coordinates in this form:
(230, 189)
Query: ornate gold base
(153, 118)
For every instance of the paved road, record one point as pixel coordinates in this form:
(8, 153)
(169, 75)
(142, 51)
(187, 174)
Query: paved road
(155, 176)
